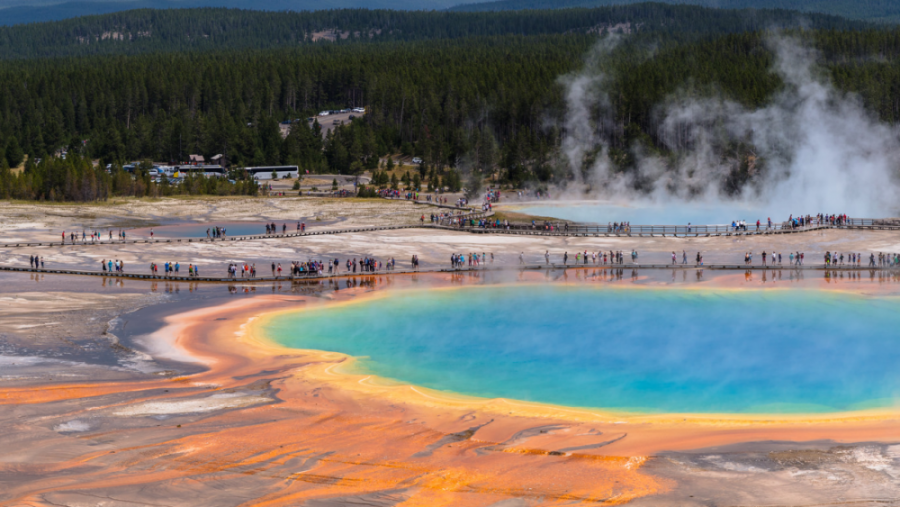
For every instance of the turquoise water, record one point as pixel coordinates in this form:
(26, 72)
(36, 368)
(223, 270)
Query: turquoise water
(680, 214)
(648, 350)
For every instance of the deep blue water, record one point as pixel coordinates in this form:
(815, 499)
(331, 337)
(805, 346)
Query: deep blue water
(650, 350)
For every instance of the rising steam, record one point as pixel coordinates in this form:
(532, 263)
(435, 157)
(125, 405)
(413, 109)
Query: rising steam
(812, 149)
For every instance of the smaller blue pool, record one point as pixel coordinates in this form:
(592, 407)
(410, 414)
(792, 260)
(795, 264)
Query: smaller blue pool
(199, 230)
(681, 214)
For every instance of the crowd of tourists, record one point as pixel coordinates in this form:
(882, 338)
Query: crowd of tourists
(830, 259)
(473, 259)
(37, 262)
(94, 236)
(776, 258)
(459, 260)
(887, 260)
(614, 227)
(113, 266)
(389, 193)
(684, 258)
(492, 195)
(173, 268)
(883, 260)
(411, 195)
(215, 232)
(460, 219)
(600, 257)
(481, 223)
(795, 222)
(272, 229)
(315, 267)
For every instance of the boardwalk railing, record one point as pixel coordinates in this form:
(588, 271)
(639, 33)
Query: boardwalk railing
(641, 230)
(313, 275)
(569, 229)
(465, 222)
(876, 223)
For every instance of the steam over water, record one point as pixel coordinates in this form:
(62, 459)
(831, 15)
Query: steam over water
(815, 149)
(648, 350)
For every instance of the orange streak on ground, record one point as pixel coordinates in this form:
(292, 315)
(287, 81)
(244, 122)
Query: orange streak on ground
(333, 435)
(351, 444)
(47, 394)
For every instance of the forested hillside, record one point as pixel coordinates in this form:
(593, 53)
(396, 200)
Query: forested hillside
(491, 104)
(482, 101)
(143, 31)
(887, 11)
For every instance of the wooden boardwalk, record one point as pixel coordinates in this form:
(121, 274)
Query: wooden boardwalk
(485, 269)
(472, 230)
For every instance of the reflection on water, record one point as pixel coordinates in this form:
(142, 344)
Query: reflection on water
(653, 350)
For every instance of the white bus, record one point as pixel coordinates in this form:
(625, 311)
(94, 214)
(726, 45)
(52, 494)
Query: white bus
(281, 171)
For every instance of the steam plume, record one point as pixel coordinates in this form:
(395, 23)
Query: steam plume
(820, 149)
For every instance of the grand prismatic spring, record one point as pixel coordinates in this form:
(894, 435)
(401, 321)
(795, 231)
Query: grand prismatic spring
(633, 350)
(523, 379)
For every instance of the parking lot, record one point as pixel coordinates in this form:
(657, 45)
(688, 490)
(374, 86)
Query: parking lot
(331, 121)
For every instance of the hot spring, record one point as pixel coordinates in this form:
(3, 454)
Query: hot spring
(604, 212)
(680, 213)
(636, 350)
